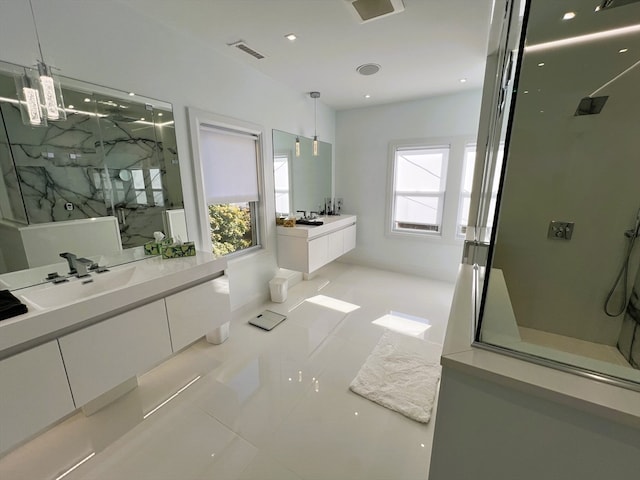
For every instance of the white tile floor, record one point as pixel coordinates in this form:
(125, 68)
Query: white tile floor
(266, 405)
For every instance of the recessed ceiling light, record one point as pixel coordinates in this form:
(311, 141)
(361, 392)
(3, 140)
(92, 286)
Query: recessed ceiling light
(623, 50)
(142, 119)
(131, 94)
(526, 91)
(569, 15)
(367, 96)
(87, 100)
(160, 114)
(71, 106)
(290, 36)
(463, 80)
(541, 64)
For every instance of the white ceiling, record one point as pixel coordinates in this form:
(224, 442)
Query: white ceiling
(423, 51)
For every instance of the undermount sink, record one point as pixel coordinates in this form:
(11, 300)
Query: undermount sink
(315, 221)
(78, 288)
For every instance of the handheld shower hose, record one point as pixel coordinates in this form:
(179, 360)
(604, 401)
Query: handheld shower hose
(624, 271)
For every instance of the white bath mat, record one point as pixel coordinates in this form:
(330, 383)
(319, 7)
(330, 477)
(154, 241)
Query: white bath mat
(402, 374)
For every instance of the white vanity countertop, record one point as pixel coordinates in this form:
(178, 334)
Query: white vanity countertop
(36, 275)
(125, 287)
(331, 223)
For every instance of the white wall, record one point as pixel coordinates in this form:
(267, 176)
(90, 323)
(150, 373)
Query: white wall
(362, 158)
(581, 169)
(110, 43)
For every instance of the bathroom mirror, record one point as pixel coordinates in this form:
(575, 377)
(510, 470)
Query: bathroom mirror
(301, 182)
(563, 283)
(114, 158)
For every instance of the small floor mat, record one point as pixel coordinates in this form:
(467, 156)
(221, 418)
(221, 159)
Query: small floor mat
(402, 374)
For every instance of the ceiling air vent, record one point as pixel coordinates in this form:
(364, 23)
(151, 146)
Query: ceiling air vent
(242, 45)
(368, 10)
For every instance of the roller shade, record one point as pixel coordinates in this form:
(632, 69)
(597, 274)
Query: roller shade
(229, 166)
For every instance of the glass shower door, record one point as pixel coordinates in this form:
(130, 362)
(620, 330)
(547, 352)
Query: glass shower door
(138, 166)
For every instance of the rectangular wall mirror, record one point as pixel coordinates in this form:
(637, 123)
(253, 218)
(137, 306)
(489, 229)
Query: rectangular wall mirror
(304, 181)
(113, 159)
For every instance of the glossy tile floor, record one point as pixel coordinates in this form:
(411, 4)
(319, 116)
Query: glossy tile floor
(263, 405)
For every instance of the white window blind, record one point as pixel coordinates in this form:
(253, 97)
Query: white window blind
(419, 182)
(229, 166)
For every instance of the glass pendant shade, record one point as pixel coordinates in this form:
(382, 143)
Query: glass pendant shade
(29, 101)
(315, 96)
(297, 146)
(51, 93)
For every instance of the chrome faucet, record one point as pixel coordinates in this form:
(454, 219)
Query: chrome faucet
(71, 260)
(82, 267)
(77, 266)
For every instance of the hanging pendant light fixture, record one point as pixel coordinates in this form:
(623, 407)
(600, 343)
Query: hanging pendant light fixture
(49, 86)
(30, 108)
(297, 146)
(315, 96)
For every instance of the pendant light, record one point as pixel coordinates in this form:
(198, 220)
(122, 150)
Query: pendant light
(50, 92)
(297, 146)
(315, 96)
(29, 96)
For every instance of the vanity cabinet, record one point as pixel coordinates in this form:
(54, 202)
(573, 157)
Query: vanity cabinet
(306, 248)
(34, 393)
(88, 351)
(197, 311)
(104, 355)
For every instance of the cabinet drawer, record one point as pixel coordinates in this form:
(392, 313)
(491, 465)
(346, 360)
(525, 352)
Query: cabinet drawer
(336, 245)
(35, 393)
(349, 238)
(318, 253)
(106, 354)
(195, 312)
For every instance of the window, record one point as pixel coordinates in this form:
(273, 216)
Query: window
(281, 184)
(467, 182)
(147, 186)
(465, 190)
(419, 180)
(230, 174)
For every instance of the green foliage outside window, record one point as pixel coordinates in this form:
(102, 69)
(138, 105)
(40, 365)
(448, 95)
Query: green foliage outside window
(230, 228)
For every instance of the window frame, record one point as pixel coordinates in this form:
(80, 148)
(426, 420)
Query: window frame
(452, 192)
(461, 230)
(288, 154)
(394, 148)
(200, 118)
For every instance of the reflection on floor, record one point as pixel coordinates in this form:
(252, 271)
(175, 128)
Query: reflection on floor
(596, 351)
(263, 405)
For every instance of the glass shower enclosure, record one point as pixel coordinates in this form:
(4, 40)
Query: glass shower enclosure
(561, 283)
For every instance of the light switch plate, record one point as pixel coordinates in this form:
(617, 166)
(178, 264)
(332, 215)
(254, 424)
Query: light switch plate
(560, 230)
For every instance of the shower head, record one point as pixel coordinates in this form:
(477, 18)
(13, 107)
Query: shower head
(590, 105)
